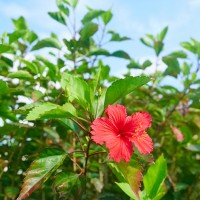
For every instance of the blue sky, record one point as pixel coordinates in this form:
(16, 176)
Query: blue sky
(132, 18)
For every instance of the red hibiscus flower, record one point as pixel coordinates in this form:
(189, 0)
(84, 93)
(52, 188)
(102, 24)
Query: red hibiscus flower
(120, 132)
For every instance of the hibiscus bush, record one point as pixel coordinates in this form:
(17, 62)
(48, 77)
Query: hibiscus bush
(71, 130)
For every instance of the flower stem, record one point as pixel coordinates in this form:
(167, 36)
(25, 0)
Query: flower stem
(87, 157)
(80, 125)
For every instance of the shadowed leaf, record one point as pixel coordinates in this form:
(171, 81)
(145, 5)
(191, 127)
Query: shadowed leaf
(40, 170)
(66, 184)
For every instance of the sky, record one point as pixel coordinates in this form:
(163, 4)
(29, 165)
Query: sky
(131, 18)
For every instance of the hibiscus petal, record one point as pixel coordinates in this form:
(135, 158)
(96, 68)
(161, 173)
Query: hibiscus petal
(117, 115)
(129, 127)
(143, 143)
(103, 130)
(141, 120)
(120, 149)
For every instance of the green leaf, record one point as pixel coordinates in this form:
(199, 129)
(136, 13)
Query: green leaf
(21, 74)
(65, 111)
(101, 74)
(158, 47)
(162, 191)
(98, 104)
(171, 61)
(92, 14)
(151, 37)
(26, 35)
(155, 176)
(74, 3)
(30, 66)
(134, 65)
(30, 36)
(116, 37)
(20, 23)
(76, 89)
(16, 35)
(186, 68)
(28, 106)
(3, 87)
(107, 16)
(146, 42)
(120, 54)
(181, 186)
(3, 37)
(47, 42)
(11, 192)
(7, 62)
(188, 46)
(69, 124)
(39, 110)
(66, 184)
(63, 8)
(178, 54)
(130, 176)
(162, 34)
(53, 70)
(4, 48)
(125, 187)
(36, 95)
(40, 170)
(99, 52)
(132, 171)
(58, 16)
(146, 64)
(173, 67)
(51, 111)
(122, 87)
(52, 134)
(88, 30)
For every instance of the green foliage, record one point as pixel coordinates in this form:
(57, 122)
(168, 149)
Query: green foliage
(51, 111)
(66, 184)
(58, 16)
(129, 175)
(88, 30)
(50, 101)
(47, 42)
(40, 170)
(155, 42)
(122, 87)
(116, 37)
(76, 88)
(154, 178)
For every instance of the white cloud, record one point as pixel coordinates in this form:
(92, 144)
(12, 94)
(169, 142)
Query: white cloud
(13, 10)
(194, 4)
